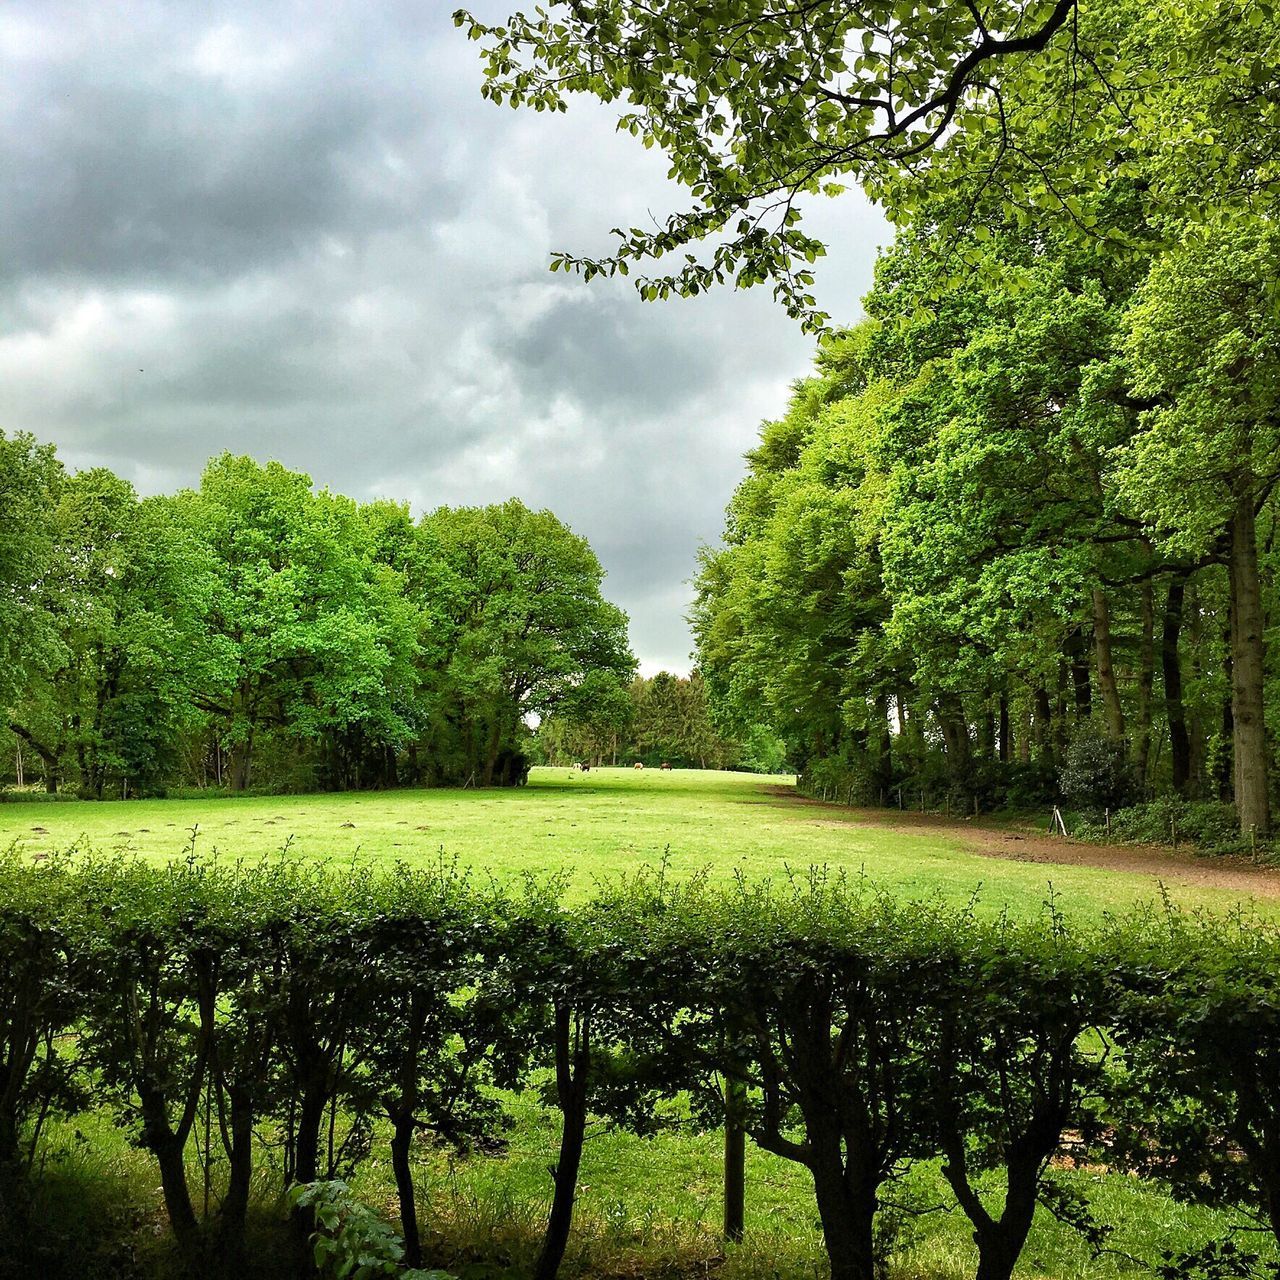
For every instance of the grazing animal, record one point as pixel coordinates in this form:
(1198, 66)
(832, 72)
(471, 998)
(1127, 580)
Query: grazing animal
(639, 764)
(666, 765)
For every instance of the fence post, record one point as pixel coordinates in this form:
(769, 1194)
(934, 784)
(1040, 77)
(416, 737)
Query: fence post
(735, 1160)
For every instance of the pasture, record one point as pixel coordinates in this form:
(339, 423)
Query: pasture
(612, 821)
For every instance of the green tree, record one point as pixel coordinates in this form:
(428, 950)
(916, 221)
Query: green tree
(1203, 343)
(758, 105)
(30, 480)
(313, 636)
(125, 594)
(527, 631)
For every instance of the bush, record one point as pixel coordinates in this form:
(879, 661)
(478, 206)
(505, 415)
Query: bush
(1208, 824)
(1096, 774)
(857, 1034)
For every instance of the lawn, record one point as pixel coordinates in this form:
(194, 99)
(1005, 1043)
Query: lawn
(591, 825)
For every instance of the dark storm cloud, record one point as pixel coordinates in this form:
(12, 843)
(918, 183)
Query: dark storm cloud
(298, 231)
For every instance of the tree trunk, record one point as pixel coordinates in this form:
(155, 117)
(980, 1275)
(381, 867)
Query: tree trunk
(1006, 753)
(492, 753)
(241, 763)
(1146, 681)
(1247, 662)
(1022, 735)
(1171, 668)
(239, 1146)
(1107, 685)
(847, 1218)
(168, 1149)
(403, 1127)
(735, 1156)
(573, 1056)
(1077, 657)
(1044, 727)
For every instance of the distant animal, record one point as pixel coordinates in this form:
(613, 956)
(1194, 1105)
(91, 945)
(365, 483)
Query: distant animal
(582, 767)
(639, 764)
(665, 765)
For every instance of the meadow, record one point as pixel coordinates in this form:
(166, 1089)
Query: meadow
(600, 824)
(647, 1205)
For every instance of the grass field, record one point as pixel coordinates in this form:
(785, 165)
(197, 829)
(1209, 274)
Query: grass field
(592, 825)
(648, 1207)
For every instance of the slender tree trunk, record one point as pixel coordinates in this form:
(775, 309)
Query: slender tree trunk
(1077, 656)
(1146, 682)
(573, 1056)
(1247, 668)
(234, 1211)
(169, 1151)
(1171, 668)
(1005, 753)
(403, 1127)
(735, 1159)
(491, 754)
(1044, 726)
(1022, 735)
(1107, 685)
(987, 734)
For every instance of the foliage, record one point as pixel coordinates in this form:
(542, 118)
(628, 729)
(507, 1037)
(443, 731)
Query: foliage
(758, 106)
(351, 1242)
(1095, 773)
(255, 631)
(664, 719)
(867, 1035)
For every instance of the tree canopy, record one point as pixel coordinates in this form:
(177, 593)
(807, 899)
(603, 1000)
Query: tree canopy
(256, 631)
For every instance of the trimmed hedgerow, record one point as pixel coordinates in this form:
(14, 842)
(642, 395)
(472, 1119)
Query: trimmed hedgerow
(302, 1016)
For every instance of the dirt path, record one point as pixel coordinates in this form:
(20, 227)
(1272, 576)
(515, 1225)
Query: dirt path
(1235, 874)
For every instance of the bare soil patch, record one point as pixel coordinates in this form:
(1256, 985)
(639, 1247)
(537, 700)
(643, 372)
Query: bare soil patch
(1237, 875)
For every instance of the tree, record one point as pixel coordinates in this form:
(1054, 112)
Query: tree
(528, 631)
(1204, 345)
(30, 480)
(313, 637)
(125, 595)
(759, 104)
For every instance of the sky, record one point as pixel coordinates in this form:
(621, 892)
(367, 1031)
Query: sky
(297, 231)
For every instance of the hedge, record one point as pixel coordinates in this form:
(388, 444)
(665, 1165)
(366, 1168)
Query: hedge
(308, 1014)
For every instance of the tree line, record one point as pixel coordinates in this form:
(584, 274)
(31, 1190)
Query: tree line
(254, 631)
(298, 1022)
(664, 719)
(1015, 538)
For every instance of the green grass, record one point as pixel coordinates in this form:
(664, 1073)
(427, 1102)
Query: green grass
(648, 1207)
(593, 825)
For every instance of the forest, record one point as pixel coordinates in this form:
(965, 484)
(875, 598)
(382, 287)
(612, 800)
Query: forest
(1014, 539)
(257, 633)
(666, 719)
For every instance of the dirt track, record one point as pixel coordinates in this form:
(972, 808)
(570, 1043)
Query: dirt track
(1235, 874)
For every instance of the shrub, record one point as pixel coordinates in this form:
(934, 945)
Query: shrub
(1095, 773)
(857, 1034)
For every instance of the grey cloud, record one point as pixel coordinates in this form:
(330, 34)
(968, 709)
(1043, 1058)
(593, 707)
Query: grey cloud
(301, 233)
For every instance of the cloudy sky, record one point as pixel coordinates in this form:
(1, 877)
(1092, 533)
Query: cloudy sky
(297, 231)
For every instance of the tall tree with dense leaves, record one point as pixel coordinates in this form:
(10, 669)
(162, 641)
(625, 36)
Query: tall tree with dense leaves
(126, 593)
(312, 635)
(530, 632)
(30, 479)
(1203, 341)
